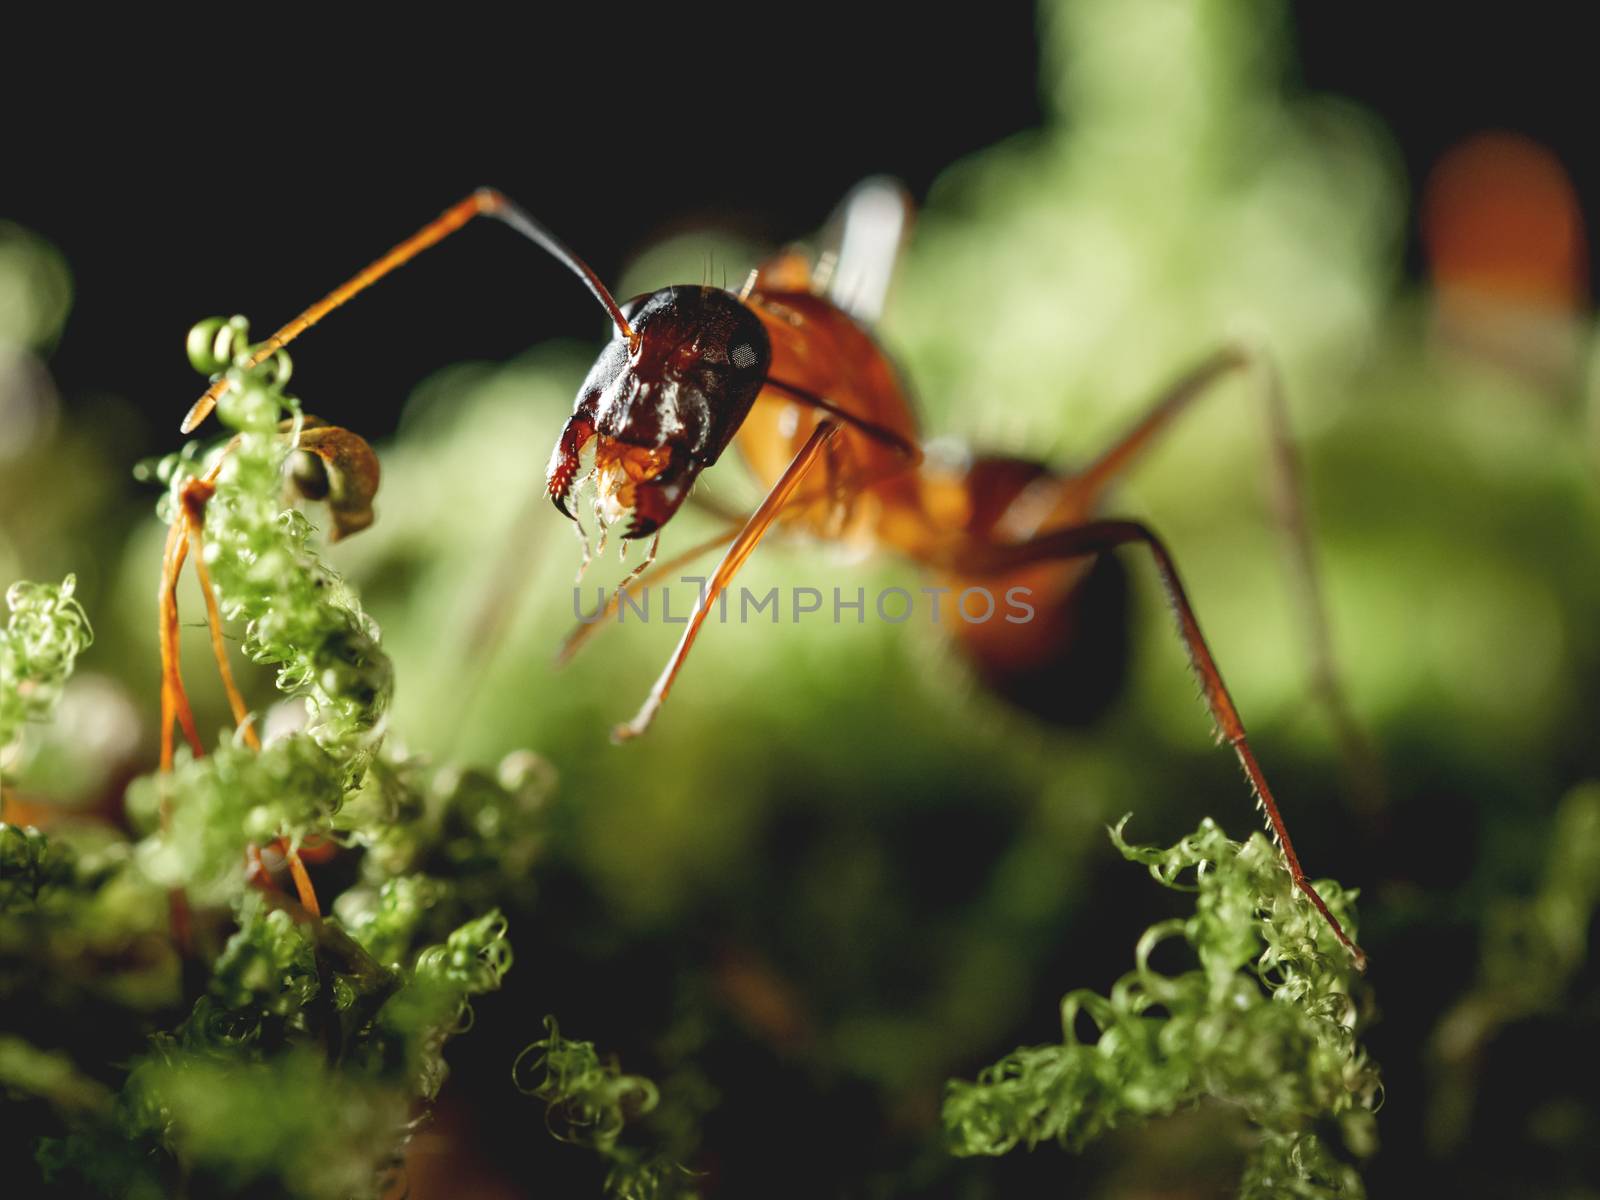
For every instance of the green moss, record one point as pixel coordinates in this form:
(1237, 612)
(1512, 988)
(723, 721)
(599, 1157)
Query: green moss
(1266, 1022)
(30, 863)
(593, 1103)
(316, 1131)
(220, 804)
(44, 634)
(299, 616)
(303, 1059)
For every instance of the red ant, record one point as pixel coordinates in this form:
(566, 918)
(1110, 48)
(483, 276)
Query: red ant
(788, 369)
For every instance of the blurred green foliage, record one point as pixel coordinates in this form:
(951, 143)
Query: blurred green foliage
(35, 289)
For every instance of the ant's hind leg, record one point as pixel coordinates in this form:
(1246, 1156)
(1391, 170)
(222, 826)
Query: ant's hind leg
(1289, 510)
(1079, 541)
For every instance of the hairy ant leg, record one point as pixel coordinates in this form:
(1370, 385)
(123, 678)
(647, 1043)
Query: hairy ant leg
(1087, 488)
(1096, 537)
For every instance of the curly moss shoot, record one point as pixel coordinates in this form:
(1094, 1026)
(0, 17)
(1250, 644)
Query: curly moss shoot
(1267, 1022)
(593, 1103)
(45, 631)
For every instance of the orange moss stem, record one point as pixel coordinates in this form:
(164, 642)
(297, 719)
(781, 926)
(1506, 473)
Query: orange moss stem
(195, 495)
(302, 879)
(174, 699)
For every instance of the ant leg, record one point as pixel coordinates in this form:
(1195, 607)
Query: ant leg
(1094, 479)
(1097, 536)
(494, 615)
(582, 632)
(641, 578)
(716, 509)
(1288, 505)
(489, 626)
(485, 202)
(186, 526)
(908, 450)
(834, 490)
(430, 234)
(743, 546)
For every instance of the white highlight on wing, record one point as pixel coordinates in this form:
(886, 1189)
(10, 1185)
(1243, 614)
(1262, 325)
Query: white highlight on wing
(869, 228)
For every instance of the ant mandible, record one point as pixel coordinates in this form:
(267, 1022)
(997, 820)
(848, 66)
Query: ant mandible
(788, 368)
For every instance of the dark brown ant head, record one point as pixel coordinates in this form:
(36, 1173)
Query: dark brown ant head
(660, 405)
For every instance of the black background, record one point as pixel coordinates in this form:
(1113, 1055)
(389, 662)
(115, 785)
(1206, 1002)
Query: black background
(247, 161)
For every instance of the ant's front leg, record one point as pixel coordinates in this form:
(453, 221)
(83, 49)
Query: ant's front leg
(641, 577)
(1095, 537)
(743, 546)
(837, 490)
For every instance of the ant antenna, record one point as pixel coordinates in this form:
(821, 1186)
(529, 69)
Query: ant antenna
(486, 202)
(491, 203)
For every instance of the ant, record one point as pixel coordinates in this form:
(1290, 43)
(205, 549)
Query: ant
(788, 369)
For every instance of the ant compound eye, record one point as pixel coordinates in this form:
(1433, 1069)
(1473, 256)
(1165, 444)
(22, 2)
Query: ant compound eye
(743, 355)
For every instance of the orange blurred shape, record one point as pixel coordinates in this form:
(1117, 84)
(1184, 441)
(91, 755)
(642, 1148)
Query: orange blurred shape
(1500, 218)
(761, 998)
(14, 810)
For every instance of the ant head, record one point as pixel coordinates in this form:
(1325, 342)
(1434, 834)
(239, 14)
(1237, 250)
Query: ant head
(660, 405)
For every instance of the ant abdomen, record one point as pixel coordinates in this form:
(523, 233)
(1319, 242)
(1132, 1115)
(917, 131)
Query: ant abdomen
(1056, 644)
(1077, 631)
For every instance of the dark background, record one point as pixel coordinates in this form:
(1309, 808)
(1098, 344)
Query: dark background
(249, 162)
